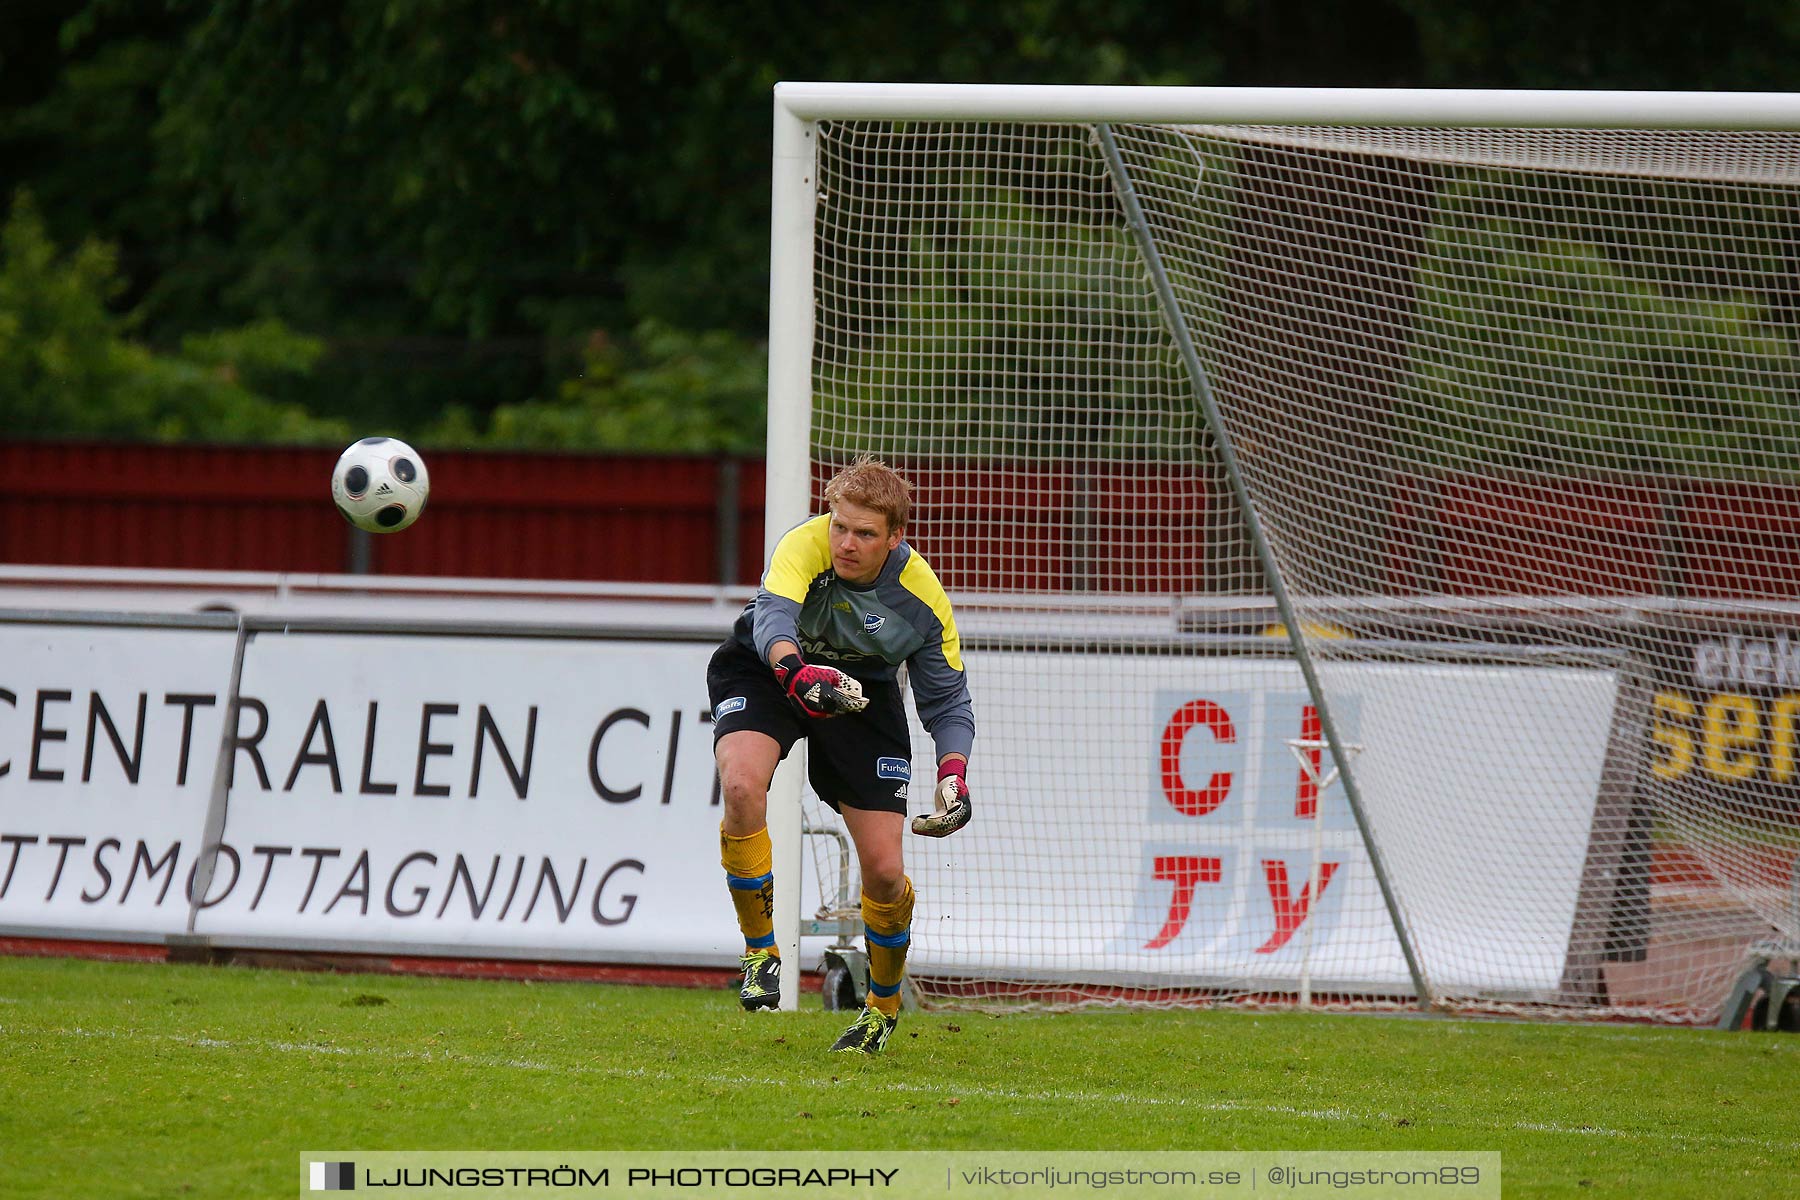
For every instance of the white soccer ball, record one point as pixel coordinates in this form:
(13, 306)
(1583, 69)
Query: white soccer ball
(380, 484)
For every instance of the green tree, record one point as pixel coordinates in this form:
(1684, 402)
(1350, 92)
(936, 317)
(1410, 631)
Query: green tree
(67, 365)
(454, 198)
(1540, 347)
(660, 389)
(1013, 323)
(1628, 44)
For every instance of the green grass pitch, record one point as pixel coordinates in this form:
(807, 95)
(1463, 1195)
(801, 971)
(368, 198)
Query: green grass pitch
(124, 1079)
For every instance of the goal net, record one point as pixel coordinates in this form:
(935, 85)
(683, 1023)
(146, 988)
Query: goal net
(1376, 550)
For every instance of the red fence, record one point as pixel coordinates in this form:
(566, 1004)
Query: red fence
(1058, 528)
(698, 519)
(665, 519)
(1472, 535)
(678, 519)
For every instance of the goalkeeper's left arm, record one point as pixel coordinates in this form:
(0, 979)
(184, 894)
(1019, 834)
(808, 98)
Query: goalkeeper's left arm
(942, 695)
(950, 803)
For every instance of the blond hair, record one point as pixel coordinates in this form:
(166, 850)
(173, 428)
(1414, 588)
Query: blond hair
(872, 484)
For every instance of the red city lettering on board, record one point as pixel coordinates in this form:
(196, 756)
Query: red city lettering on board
(1195, 802)
(1290, 913)
(1306, 792)
(1186, 872)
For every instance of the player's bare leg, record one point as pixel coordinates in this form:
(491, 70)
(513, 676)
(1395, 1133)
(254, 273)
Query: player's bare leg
(747, 760)
(887, 906)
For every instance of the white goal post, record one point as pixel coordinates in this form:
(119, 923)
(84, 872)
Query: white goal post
(1459, 427)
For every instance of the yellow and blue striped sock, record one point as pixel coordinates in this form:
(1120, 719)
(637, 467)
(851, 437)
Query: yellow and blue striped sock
(749, 873)
(888, 928)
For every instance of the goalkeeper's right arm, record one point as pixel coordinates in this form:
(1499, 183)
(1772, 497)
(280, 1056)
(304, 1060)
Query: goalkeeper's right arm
(817, 692)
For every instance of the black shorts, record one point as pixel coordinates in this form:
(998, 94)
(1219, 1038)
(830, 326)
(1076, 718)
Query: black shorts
(863, 760)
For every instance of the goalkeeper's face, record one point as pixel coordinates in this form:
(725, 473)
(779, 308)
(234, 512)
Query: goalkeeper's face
(860, 542)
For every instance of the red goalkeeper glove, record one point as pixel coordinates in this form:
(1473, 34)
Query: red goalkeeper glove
(950, 803)
(819, 691)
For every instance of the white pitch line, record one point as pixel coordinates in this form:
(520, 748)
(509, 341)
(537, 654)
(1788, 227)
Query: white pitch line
(1594, 1130)
(986, 1092)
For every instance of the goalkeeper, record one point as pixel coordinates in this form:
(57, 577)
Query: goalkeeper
(845, 603)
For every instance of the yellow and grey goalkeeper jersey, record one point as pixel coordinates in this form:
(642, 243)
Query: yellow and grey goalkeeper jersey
(869, 631)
